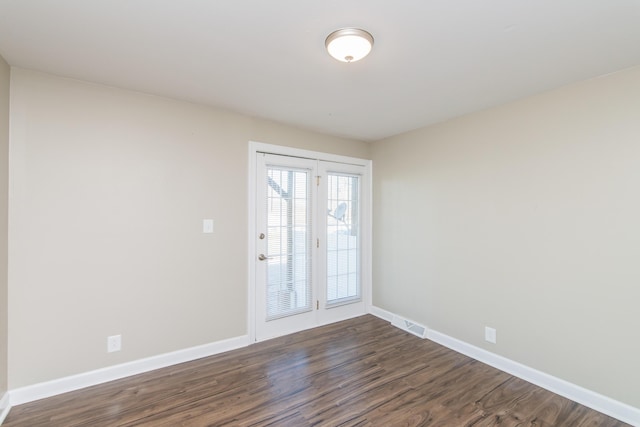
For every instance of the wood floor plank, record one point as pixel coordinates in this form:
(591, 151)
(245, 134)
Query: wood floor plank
(359, 373)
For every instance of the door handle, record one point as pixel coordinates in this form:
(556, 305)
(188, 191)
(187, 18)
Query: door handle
(261, 257)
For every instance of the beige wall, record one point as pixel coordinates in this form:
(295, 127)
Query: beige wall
(109, 189)
(525, 218)
(4, 202)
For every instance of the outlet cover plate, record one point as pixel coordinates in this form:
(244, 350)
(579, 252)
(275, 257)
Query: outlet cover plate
(114, 343)
(207, 226)
(490, 334)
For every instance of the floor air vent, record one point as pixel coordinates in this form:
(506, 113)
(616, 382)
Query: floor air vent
(407, 325)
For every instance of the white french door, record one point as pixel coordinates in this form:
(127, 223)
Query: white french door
(340, 256)
(285, 201)
(311, 225)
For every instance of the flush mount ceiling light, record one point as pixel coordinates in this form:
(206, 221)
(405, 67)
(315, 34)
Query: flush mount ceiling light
(349, 44)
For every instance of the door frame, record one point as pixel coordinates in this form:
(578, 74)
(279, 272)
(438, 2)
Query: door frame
(367, 226)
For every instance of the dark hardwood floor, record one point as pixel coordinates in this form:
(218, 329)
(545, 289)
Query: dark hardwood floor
(360, 372)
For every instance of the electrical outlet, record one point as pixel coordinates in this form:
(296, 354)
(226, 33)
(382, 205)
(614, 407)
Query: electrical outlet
(114, 343)
(207, 226)
(490, 334)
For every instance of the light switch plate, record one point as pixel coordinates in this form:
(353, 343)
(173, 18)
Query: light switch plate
(207, 226)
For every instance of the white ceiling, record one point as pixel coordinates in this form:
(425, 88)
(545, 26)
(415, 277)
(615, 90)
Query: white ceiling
(432, 59)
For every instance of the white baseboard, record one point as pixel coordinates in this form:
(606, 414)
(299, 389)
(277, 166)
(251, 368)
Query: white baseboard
(5, 407)
(591, 399)
(99, 376)
(383, 314)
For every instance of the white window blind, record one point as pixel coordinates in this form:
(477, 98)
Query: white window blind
(289, 242)
(343, 238)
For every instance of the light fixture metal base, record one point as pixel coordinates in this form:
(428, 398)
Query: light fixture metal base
(349, 44)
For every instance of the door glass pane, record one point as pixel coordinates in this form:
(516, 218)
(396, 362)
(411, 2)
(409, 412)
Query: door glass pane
(343, 239)
(288, 242)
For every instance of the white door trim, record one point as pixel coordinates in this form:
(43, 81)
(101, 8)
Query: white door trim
(259, 147)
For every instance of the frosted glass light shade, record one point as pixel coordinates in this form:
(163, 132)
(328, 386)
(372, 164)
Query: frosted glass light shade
(349, 44)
